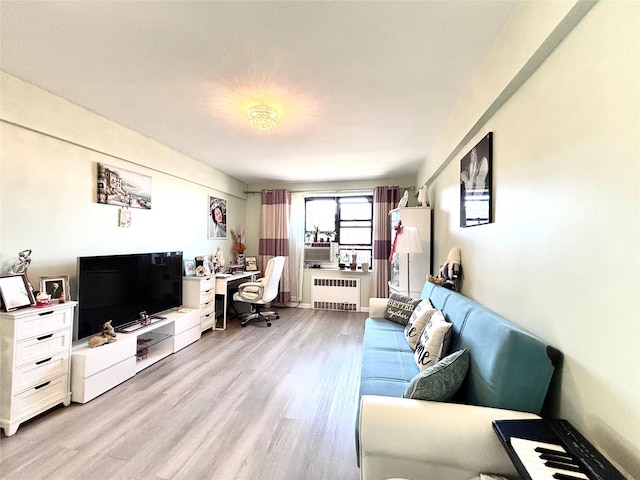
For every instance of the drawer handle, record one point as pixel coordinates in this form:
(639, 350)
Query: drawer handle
(43, 361)
(207, 291)
(44, 337)
(45, 313)
(43, 385)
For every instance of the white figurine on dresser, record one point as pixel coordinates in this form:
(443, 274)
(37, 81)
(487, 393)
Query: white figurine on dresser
(35, 362)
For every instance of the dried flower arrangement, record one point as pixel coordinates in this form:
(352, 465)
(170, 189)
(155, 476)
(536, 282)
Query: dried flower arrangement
(239, 246)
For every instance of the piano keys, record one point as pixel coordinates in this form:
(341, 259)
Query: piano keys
(552, 449)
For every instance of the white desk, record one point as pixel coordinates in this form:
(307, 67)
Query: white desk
(223, 282)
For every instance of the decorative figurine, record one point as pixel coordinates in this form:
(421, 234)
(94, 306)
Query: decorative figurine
(24, 260)
(108, 335)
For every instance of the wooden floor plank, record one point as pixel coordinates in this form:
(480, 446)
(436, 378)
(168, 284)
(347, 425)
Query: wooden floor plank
(248, 403)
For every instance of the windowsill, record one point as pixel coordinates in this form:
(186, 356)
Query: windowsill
(336, 269)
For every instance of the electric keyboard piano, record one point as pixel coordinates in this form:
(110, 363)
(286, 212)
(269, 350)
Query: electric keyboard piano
(552, 449)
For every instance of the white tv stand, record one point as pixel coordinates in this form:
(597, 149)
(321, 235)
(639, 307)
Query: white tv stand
(96, 370)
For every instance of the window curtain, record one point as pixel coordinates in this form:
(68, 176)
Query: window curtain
(384, 199)
(275, 217)
(296, 245)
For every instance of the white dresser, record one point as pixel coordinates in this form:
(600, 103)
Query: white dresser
(35, 362)
(200, 293)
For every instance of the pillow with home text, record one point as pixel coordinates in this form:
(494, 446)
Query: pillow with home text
(417, 322)
(399, 308)
(433, 342)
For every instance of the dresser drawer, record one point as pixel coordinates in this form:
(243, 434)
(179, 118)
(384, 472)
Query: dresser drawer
(207, 321)
(207, 283)
(40, 397)
(34, 349)
(44, 322)
(207, 296)
(38, 372)
(207, 308)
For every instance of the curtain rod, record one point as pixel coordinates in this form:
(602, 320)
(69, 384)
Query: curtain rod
(340, 190)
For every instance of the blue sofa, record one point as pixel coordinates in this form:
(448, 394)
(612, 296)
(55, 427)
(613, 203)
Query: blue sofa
(509, 374)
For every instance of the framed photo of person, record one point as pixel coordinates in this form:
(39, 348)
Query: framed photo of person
(217, 218)
(251, 264)
(15, 292)
(189, 268)
(56, 286)
(475, 184)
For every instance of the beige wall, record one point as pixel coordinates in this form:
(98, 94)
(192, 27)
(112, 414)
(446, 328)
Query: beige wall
(50, 150)
(562, 257)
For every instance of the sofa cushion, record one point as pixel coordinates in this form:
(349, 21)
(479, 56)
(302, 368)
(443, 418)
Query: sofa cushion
(400, 307)
(441, 381)
(417, 322)
(433, 341)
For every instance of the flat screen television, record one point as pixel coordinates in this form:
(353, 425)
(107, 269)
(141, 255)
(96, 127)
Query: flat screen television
(119, 287)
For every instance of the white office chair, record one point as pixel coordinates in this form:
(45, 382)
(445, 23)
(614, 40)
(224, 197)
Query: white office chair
(261, 292)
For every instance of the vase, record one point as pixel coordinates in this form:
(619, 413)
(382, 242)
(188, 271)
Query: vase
(240, 260)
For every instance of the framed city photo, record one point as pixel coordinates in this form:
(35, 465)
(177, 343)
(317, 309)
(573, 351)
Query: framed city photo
(475, 184)
(251, 264)
(55, 286)
(15, 292)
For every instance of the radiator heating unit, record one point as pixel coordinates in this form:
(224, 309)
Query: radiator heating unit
(335, 294)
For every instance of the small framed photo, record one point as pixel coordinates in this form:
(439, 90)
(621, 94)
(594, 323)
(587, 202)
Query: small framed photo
(190, 268)
(55, 286)
(251, 264)
(15, 292)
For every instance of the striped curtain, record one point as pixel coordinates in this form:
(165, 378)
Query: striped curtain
(384, 199)
(274, 236)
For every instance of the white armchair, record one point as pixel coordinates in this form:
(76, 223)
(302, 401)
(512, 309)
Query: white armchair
(261, 292)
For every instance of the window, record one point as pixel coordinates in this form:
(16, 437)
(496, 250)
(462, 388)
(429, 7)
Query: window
(347, 220)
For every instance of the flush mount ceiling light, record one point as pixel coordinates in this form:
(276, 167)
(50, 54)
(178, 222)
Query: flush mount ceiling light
(263, 117)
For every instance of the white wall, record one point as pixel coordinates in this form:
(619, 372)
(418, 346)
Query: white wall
(562, 257)
(48, 169)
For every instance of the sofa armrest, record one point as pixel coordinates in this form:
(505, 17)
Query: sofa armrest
(377, 307)
(416, 439)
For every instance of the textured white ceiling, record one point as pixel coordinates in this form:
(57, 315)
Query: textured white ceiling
(364, 87)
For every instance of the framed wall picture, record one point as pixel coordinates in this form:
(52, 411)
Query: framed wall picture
(475, 184)
(251, 264)
(117, 186)
(217, 217)
(15, 292)
(55, 286)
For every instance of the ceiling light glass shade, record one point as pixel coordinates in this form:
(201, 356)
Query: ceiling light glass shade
(263, 117)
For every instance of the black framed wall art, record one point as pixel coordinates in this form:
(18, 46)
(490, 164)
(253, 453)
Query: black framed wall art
(475, 184)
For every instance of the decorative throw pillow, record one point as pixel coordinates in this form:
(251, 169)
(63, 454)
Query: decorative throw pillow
(417, 322)
(433, 342)
(440, 382)
(399, 308)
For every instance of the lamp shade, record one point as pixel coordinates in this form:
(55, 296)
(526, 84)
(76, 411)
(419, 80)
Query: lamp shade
(409, 240)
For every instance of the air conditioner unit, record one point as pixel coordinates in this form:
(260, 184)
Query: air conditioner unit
(318, 253)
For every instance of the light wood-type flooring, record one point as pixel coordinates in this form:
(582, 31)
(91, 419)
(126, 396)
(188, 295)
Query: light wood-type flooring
(249, 403)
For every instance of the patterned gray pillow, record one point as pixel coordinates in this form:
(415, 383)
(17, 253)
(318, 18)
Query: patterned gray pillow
(440, 382)
(399, 308)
